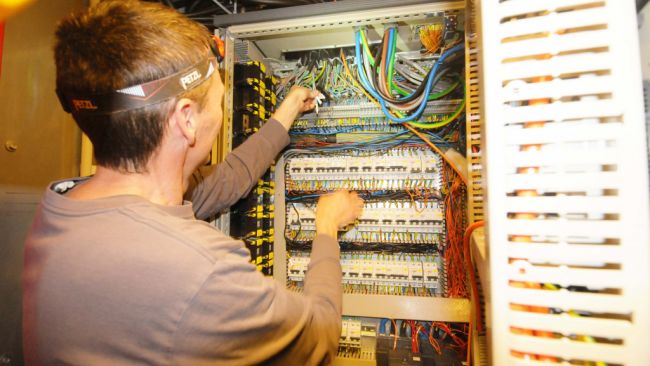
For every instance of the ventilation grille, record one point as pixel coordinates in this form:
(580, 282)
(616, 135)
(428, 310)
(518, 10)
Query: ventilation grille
(473, 117)
(241, 51)
(567, 190)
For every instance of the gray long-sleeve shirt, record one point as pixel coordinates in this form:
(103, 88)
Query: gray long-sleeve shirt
(123, 281)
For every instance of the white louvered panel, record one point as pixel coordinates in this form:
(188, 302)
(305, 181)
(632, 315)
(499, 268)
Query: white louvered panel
(567, 204)
(568, 131)
(606, 328)
(570, 350)
(558, 88)
(560, 111)
(554, 45)
(582, 18)
(562, 204)
(565, 276)
(568, 300)
(569, 182)
(562, 227)
(571, 64)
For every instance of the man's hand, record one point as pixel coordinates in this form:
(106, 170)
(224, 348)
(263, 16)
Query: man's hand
(298, 100)
(336, 210)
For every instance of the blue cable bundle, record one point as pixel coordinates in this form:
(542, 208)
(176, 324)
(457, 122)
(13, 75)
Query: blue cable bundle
(382, 102)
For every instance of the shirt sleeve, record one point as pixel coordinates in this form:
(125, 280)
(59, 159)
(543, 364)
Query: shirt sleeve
(212, 189)
(239, 317)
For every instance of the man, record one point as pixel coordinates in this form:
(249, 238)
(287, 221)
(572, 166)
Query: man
(117, 269)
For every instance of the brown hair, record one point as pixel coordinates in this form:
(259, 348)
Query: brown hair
(117, 44)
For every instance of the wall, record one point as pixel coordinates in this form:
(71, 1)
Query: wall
(47, 147)
(47, 140)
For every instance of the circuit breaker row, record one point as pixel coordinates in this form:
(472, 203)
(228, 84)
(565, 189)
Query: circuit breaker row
(399, 270)
(399, 169)
(394, 222)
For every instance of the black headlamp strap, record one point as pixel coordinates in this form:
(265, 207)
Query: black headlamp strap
(138, 96)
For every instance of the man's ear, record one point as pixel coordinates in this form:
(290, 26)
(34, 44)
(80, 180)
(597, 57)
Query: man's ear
(184, 119)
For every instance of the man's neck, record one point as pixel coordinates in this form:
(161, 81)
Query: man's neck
(159, 186)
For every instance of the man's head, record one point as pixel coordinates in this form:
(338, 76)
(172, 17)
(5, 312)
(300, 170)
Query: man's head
(118, 44)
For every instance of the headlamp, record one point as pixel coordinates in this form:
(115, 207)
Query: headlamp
(142, 95)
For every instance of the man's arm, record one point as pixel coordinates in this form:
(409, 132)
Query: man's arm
(240, 317)
(211, 189)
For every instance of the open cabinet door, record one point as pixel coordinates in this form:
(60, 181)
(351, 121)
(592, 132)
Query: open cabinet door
(566, 182)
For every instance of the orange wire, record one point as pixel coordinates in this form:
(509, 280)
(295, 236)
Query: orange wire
(472, 275)
(436, 149)
(453, 254)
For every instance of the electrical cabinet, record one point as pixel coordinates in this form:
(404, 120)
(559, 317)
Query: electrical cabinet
(543, 100)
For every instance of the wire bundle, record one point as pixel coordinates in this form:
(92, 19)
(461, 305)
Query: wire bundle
(400, 103)
(454, 253)
(452, 336)
(431, 36)
(325, 74)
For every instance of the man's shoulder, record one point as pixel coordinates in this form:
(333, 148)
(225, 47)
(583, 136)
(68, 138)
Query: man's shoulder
(134, 220)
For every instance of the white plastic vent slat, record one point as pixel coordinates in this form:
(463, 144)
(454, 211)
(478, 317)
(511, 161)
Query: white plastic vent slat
(562, 132)
(568, 300)
(520, 7)
(578, 63)
(565, 156)
(563, 227)
(562, 204)
(571, 254)
(561, 111)
(556, 44)
(563, 182)
(568, 350)
(606, 328)
(557, 88)
(582, 18)
(565, 276)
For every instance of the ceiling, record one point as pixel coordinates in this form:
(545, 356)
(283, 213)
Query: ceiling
(207, 8)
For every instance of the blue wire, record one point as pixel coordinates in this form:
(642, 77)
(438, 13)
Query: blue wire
(391, 36)
(382, 326)
(366, 84)
(302, 197)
